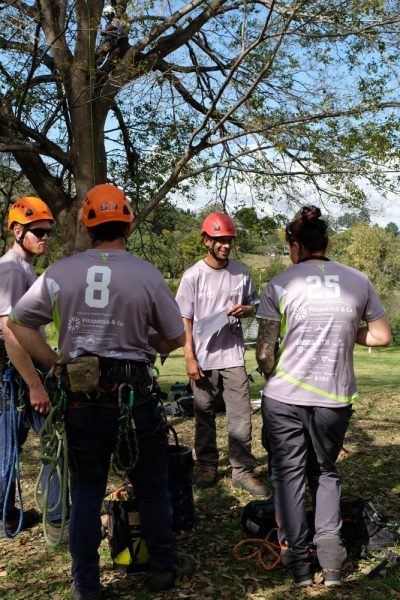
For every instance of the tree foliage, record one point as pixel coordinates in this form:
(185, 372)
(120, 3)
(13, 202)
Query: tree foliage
(375, 252)
(392, 228)
(288, 98)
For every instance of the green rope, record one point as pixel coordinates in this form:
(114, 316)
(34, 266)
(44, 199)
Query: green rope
(54, 452)
(126, 453)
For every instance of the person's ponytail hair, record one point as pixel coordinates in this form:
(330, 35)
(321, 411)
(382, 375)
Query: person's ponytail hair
(308, 230)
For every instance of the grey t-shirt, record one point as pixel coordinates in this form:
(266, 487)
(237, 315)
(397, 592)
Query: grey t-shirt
(102, 302)
(16, 277)
(319, 306)
(204, 291)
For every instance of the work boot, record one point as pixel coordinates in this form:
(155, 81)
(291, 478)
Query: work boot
(250, 483)
(332, 577)
(159, 581)
(31, 518)
(302, 575)
(75, 595)
(53, 529)
(206, 477)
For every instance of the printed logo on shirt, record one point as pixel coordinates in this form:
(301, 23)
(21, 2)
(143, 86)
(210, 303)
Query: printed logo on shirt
(205, 293)
(312, 342)
(74, 323)
(300, 313)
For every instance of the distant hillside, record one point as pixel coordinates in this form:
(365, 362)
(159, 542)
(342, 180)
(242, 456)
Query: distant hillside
(258, 261)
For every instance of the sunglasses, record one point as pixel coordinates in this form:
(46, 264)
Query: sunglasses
(40, 232)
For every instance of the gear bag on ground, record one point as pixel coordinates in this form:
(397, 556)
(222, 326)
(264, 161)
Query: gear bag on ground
(128, 549)
(180, 478)
(364, 528)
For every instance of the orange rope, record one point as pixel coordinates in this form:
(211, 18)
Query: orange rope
(267, 553)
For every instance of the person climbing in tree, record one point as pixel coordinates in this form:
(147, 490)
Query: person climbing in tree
(110, 37)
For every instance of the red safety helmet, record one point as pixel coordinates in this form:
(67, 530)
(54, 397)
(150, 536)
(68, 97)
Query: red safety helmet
(28, 210)
(104, 203)
(218, 225)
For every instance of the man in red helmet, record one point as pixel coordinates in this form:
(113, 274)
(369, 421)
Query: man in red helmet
(30, 220)
(220, 291)
(114, 312)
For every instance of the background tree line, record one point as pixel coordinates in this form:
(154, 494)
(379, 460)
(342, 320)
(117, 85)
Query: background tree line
(283, 98)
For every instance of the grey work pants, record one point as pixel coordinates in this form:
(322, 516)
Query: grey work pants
(236, 394)
(303, 443)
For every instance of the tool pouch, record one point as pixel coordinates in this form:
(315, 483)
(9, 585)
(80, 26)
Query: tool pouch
(83, 374)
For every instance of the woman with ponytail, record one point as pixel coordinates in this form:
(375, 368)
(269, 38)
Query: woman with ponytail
(314, 310)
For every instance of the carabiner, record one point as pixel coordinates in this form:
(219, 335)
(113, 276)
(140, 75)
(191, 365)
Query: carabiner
(121, 388)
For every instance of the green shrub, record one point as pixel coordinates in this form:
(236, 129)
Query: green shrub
(275, 267)
(395, 326)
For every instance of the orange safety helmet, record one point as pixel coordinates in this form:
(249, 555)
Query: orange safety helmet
(218, 225)
(104, 203)
(28, 210)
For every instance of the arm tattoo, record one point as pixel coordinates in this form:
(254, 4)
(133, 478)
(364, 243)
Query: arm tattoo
(265, 348)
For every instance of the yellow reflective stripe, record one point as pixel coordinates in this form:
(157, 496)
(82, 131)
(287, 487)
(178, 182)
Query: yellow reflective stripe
(14, 318)
(56, 314)
(311, 388)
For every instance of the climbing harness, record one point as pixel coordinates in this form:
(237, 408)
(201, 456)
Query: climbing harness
(53, 454)
(13, 408)
(266, 551)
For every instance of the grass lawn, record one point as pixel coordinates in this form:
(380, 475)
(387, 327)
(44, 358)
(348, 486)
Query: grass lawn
(369, 465)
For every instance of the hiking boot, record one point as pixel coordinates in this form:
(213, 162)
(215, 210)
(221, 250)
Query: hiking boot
(31, 518)
(159, 581)
(206, 477)
(250, 483)
(332, 577)
(302, 575)
(75, 595)
(53, 530)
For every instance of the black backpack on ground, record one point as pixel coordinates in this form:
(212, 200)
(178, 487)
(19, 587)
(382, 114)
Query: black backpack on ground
(180, 482)
(258, 517)
(363, 529)
(181, 400)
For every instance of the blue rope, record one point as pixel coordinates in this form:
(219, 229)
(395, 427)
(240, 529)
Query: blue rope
(10, 459)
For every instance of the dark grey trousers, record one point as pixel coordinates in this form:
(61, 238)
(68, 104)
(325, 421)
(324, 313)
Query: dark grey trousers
(303, 443)
(236, 394)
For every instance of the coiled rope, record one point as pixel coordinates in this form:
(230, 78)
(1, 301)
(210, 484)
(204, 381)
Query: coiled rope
(126, 453)
(10, 460)
(54, 454)
(266, 552)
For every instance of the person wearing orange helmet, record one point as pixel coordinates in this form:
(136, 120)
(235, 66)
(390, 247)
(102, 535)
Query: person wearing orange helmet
(30, 221)
(115, 309)
(217, 289)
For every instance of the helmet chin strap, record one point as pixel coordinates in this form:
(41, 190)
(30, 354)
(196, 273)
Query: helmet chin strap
(211, 249)
(212, 252)
(20, 241)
